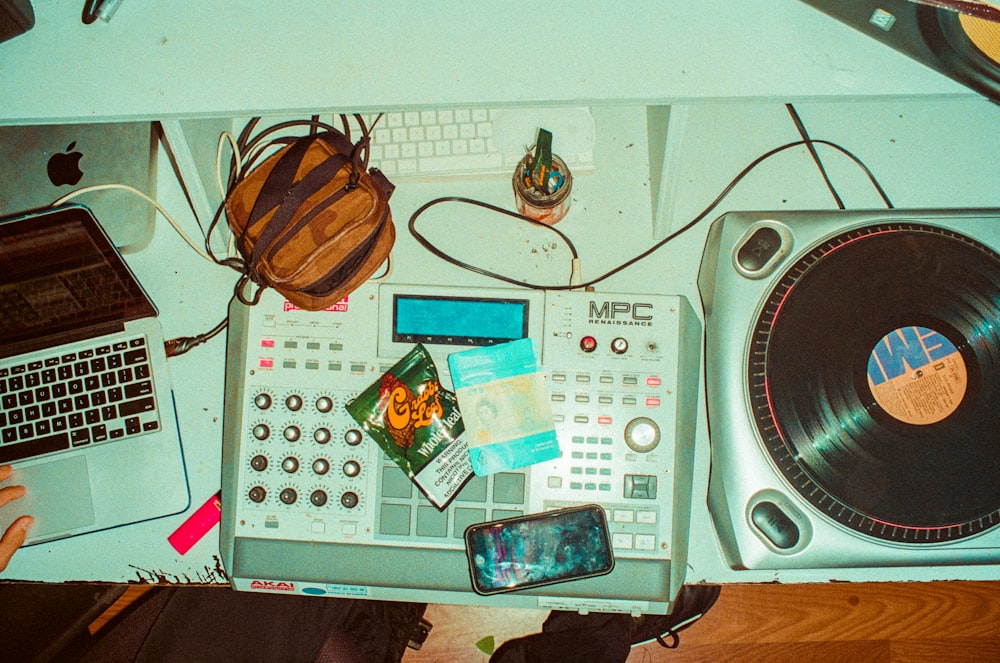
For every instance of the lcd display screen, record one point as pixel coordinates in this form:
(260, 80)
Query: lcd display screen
(458, 320)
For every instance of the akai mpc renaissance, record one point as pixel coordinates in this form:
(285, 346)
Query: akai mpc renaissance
(311, 505)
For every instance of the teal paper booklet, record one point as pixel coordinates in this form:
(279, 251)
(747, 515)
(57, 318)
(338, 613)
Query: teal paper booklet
(505, 406)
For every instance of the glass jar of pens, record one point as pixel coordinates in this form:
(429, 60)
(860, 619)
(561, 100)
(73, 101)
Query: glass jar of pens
(542, 183)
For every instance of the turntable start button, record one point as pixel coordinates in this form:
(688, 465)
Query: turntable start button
(774, 524)
(759, 248)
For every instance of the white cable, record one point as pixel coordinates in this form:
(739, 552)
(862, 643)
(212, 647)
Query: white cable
(151, 201)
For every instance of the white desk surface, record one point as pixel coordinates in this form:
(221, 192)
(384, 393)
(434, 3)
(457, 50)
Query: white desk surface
(927, 153)
(162, 58)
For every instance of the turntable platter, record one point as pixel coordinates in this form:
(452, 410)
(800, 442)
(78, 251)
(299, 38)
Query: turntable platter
(874, 381)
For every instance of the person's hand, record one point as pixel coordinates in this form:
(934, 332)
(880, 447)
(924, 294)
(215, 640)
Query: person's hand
(14, 537)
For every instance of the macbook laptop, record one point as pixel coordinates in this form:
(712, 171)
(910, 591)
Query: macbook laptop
(86, 410)
(39, 164)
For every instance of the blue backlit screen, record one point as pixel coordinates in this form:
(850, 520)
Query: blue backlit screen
(458, 320)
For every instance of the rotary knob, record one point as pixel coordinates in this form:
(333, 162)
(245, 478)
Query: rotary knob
(324, 404)
(353, 437)
(257, 494)
(292, 433)
(318, 498)
(261, 431)
(259, 462)
(321, 466)
(322, 435)
(262, 401)
(288, 496)
(352, 468)
(294, 402)
(642, 434)
(619, 346)
(290, 464)
(349, 499)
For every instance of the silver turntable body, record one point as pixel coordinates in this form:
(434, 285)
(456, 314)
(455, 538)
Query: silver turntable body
(762, 518)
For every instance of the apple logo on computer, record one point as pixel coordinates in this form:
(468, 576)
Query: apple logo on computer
(64, 167)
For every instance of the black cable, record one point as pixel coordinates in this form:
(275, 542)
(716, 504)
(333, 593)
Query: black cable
(181, 344)
(655, 247)
(423, 241)
(89, 12)
(815, 155)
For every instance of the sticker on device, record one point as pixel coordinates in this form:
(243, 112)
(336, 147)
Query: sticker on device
(917, 375)
(339, 307)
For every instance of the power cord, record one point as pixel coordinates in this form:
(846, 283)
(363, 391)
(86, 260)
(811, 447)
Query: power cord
(182, 344)
(815, 155)
(423, 241)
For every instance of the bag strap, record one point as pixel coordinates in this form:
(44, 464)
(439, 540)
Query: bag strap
(284, 196)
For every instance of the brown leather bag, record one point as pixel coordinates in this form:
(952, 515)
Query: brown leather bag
(311, 221)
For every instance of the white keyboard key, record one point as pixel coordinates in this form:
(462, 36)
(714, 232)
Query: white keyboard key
(478, 141)
(470, 163)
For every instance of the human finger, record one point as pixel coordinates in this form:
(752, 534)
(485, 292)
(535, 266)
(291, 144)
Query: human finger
(13, 539)
(10, 493)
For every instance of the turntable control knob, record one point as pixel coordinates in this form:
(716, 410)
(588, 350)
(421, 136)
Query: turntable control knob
(619, 345)
(642, 434)
(262, 401)
(759, 248)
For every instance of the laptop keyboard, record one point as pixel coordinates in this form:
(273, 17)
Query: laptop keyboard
(76, 398)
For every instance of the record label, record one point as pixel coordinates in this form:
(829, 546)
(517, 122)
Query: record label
(917, 375)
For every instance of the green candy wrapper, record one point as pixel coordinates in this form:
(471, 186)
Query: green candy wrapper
(418, 424)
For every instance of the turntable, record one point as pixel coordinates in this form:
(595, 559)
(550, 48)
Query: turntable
(853, 385)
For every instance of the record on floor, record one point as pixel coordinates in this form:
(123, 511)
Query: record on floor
(874, 381)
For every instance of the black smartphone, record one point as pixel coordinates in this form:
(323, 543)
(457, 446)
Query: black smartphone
(539, 549)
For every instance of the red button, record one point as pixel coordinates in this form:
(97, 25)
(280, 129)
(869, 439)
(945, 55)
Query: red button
(267, 342)
(267, 363)
(653, 381)
(604, 420)
(652, 401)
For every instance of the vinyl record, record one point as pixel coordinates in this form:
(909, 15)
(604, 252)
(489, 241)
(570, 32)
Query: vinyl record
(874, 378)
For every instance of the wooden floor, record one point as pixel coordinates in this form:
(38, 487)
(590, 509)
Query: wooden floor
(853, 623)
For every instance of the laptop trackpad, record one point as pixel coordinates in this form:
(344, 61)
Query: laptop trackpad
(58, 497)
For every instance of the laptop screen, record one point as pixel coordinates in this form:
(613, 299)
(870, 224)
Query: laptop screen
(60, 279)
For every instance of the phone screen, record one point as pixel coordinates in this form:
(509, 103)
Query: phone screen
(538, 549)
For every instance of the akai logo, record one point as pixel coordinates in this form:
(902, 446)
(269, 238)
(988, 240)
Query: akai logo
(621, 313)
(269, 586)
